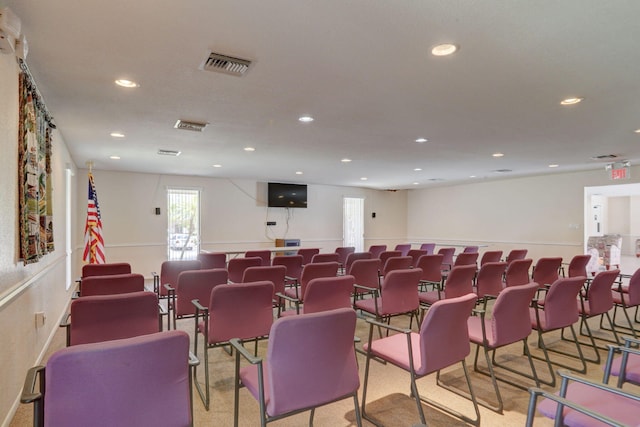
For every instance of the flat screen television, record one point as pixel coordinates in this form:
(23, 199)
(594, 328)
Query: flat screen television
(286, 195)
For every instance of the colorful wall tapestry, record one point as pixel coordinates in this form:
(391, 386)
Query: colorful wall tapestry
(34, 173)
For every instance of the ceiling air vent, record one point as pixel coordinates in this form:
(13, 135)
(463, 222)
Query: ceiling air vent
(503, 170)
(605, 157)
(169, 153)
(192, 126)
(225, 64)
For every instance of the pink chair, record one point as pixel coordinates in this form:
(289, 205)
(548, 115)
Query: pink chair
(295, 378)
(385, 255)
(517, 272)
(466, 258)
(240, 310)
(546, 271)
(273, 273)
(351, 258)
(192, 284)
(366, 276)
(293, 264)
(307, 254)
(625, 367)
(431, 271)
(323, 294)
(395, 263)
(209, 260)
(506, 326)
(447, 260)
(559, 311)
(470, 249)
(112, 317)
(376, 250)
(423, 353)
(264, 255)
(343, 252)
(627, 296)
(515, 254)
(111, 284)
(415, 255)
(459, 282)
(310, 272)
(429, 247)
(237, 266)
(169, 271)
(328, 257)
(106, 269)
(115, 383)
(404, 248)
(578, 266)
(489, 279)
(490, 256)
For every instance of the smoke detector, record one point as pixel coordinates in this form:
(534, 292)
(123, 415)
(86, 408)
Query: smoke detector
(173, 153)
(225, 64)
(192, 126)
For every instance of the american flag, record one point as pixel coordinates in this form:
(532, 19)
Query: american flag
(93, 242)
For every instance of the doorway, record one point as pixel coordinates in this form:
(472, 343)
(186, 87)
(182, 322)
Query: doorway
(353, 223)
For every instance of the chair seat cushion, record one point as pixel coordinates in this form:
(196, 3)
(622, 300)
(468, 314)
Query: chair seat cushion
(291, 292)
(394, 350)
(633, 368)
(429, 297)
(474, 325)
(368, 305)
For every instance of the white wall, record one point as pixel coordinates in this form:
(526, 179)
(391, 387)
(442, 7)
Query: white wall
(39, 287)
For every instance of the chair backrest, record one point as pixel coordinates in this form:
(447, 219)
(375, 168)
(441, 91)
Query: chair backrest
(466, 258)
(459, 281)
(264, 255)
(399, 291)
(170, 269)
(327, 257)
(490, 256)
(112, 284)
(507, 322)
(515, 254)
(209, 260)
(197, 284)
(237, 266)
(106, 269)
(328, 293)
(489, 278)
(316, 270)
(240, 310)
(447, 260)
(431, 266)
(429, 247)
(351, 258)
(599, 292)
(307, 254)
(445, 322)
(546, 270)
(293, 263)
(322, 370)
(376, 250)
(343, 252)
(365, 272)
(470, 249)
(118, 382)
(111, 317)
(415, 255)
(404, 248)
(517, 272)
(396, 263)
(560, 308)
(272, 273)
(634, 290)
(385, 255)
(578, 265)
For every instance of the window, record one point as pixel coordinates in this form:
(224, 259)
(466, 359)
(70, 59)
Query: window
(183, 231)
(353, 223)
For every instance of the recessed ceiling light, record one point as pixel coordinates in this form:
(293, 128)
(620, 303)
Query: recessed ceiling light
(217, 166)
(553, 166)
(305, 119)
(416, 183)
(127, 83)
(637, 131)
(345, 160)
(570, 101)
(298, 172)
(364, 178)
(421, 140)
(417, 169)
(472, 176)
(497, 155)
(117, 134)
(114, 157)
(444, 49)
(249, 149)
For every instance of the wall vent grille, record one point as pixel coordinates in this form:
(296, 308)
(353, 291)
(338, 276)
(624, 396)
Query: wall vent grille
(192, 126)
(169, 153)
(225, 64)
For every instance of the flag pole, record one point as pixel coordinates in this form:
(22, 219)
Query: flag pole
(89, 164)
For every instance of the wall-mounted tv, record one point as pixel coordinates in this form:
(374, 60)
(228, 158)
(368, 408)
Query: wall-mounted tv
(287, 195)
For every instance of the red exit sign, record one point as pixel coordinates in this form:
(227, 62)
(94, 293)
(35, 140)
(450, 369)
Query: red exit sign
(619, 173)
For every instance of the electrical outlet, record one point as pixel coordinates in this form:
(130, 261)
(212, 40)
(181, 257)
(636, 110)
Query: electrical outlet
(40, 318)
(269, 223)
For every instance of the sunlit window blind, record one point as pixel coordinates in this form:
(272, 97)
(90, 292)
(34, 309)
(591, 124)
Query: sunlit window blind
(353, 223)
(183, 230)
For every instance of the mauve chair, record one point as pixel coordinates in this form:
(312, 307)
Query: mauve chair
(366, 276)
(237, 266)
(192, 284)
(429, 247)
(273, 273)
(240, 310)
(546, 271)
(578, 266)
(466, 258)
(111, 317)
(404, 248)
(506, 326)
(490, 256)
(294, 378)
(395, 263)
(470, 249)
(294, 266)
(326, 257)
(415, 255)
(458, 282)
(376, 250)
(169, 271)
(112, 284)
(447, 260)
(431, 266)
(343, 252)
(323, 294)
(489, 279)
(517, 272)
(310, 272)
(209, 260)
(140, 381)
(626, 296)
(385, 255)
(263, 254)
(351, 258)
(443, 341)
(307, 254)
(515, 254)
(627, 366)
(105, 269)
(558, 311)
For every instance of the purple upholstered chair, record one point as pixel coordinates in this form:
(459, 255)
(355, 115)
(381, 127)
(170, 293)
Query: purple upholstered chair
(489, 279)
(326, 257)
(429, 247)
(470, 250)
(506, 326)
(351, 258)
(111, 284)
(323, 294)
(415, 255)
(424, 353)
(517, 272)
(625, 296)
(111, 317)
(395, 263)
(239, 310)
(169, 271)
(192, 284)
(295, 377)
(141, 381)
(293, 263)
(447, 260)
(515, 254)
(309, 272)
(385, 255)
(490, 256)
(237, 266)
(404, 248)
(365, 272)
(307, 254)
(273, 273)
(625, 367)
(546, 271)
(264, 255)
(376, 250)
(209, 260)
(431, 270)
(578, 265)
(343, 252)
(459, 282)
(106, 269)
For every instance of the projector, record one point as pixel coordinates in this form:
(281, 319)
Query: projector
(10, 27)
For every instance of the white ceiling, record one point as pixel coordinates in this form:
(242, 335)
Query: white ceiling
(361, 68)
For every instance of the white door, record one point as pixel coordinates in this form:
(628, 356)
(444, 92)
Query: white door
(353, 223)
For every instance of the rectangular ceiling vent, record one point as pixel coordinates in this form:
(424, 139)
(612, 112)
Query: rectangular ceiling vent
(192, 126)
(173, 153)
(225, 64)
